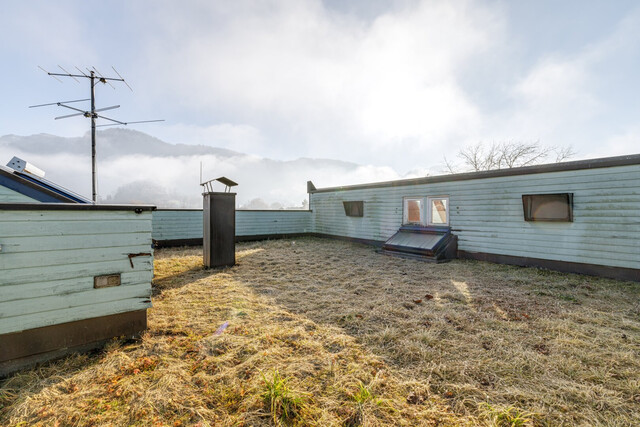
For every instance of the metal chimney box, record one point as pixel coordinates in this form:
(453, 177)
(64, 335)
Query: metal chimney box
(219, 242)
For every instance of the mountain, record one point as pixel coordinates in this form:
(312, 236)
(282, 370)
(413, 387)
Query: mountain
(112, 143)
(134, 167)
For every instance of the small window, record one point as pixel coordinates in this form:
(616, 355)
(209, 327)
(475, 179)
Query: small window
(438, 211)
(413, 211)
(354, 208)
(548, 207)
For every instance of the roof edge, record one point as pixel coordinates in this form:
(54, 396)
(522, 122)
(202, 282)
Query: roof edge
(72, 207)
(603, 162)
(20, 183)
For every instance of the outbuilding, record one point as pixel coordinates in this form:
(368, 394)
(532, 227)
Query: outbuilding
(581, 216)
(72, 274)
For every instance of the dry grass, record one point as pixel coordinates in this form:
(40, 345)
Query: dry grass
(329, 333)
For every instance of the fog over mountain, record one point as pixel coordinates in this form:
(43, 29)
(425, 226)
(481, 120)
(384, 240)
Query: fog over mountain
(134, 167)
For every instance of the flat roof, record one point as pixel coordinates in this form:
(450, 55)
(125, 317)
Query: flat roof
(604, 162)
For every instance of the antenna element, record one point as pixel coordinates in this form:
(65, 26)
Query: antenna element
(94, 77)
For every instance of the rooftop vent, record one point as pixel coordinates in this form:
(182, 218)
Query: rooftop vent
(208, 185)
(22, 166)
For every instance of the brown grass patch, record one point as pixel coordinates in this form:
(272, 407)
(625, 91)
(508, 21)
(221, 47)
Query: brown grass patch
(353, 338)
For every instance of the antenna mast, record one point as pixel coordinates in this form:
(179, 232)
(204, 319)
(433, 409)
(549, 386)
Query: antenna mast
(94, 175)
(94, 77)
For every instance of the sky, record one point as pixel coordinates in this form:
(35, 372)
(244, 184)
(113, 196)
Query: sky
(388, 84)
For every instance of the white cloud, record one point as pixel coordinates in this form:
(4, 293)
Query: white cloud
(243, 138)
(286, 79)
(555, 94)
(272, 181)
(318, 82)
(625, 142)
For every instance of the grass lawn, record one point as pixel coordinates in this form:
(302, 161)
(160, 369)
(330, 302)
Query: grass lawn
(320, 332)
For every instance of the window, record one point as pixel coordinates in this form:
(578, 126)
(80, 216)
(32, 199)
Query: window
(426, 211)
(413, 211)
(438, 214)
(548, 207)
(354, 208)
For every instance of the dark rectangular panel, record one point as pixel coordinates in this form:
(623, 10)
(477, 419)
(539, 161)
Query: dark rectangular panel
(548, 207)
(219, 226)
(71, 334)
(354, 208)
(415, 240)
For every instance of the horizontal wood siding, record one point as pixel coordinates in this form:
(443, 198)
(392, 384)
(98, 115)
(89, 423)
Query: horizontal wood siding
(487, 215)
(276, 222)
(49, 259)
(9, 196)
(187, 224)
(177, 224)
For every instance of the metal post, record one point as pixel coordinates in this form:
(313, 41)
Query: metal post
(94, 179)
(93, 74)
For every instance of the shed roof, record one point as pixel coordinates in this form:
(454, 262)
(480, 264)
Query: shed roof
(37, 188)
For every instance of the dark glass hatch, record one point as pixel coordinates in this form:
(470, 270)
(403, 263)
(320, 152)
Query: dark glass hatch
(432, 243)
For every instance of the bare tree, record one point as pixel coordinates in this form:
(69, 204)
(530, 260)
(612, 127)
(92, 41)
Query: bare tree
(479, 157)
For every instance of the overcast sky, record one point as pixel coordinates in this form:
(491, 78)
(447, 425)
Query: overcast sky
(382, 83)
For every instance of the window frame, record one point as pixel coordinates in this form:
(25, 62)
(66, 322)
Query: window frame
(405, 210)
(429, 213)
(528, 199)
(349, 208)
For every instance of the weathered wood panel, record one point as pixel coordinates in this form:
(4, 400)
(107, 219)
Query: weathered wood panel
(262, 223)
(187, 224)
(177, 224)
(49, 259)
(487, 214)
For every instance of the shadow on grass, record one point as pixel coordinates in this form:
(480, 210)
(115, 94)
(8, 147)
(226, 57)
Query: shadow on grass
(57, 372)
(179, 267)
(180, 279)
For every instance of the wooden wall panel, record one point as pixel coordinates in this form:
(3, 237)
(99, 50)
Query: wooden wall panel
(487, 214)
(49, 258)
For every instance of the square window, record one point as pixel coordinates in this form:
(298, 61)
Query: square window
(354, 208)
(438, 211)
(413, 211)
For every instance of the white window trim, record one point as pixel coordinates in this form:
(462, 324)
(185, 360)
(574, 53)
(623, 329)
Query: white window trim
(429, 216)
(405, 211)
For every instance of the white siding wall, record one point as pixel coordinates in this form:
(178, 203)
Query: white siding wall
(187, 224)
(49, 258)
(9, 196)
(487, 215)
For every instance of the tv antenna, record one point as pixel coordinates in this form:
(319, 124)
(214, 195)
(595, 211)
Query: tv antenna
(94, 77)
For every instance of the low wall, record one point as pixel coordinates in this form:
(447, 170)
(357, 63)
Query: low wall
(184, 226)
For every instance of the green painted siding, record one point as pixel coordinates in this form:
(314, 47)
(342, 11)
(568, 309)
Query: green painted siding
(487, 215)
(177, 224)
(256, 223)
(49, 258)
(187, 224)
(9, 196)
